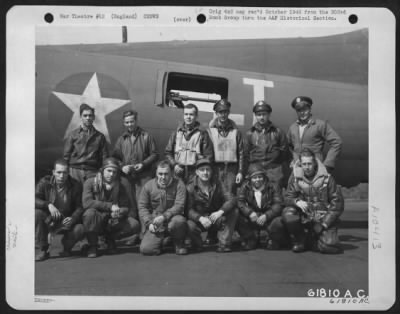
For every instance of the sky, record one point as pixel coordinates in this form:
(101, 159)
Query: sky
(64, 35)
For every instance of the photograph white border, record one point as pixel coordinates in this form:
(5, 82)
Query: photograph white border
(20, 106)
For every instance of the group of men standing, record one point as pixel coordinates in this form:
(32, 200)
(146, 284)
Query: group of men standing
(216, 181)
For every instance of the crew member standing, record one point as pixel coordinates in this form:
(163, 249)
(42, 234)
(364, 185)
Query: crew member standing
(137, 150)
(188, 144)
(267, 143)
(313, 134)
(85, 148)
(228, 147)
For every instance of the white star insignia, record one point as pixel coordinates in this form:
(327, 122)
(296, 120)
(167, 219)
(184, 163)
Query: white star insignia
(91, 96)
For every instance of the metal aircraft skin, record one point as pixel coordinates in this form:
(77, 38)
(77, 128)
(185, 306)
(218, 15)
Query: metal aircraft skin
(150, 77)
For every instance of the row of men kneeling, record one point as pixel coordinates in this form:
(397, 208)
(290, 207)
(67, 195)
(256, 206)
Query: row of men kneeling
(169, 209)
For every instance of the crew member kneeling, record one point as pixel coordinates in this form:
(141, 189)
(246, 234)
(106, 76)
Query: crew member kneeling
(260, 207)
(211, 207)
(161, 205)
(107, 211)
(315, 204)
(58, 203)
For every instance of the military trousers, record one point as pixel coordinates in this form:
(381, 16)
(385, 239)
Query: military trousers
(222, 229)
(42, 230)
(275, 229)
(100, 223)
(152, 242)
(81, 175)
(137, 184)
(227, 175)
(325, 242)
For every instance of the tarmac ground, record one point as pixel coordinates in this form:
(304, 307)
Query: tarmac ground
(257, 273)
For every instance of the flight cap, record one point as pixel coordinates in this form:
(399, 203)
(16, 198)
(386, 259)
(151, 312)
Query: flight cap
(111, 162)
(300, 102)
(255, 169)
(203, 162)
(261, 105)
(222, 104)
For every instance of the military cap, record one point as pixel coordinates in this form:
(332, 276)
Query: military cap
(83, 107)
(301, 101)
(111, 162)
(222, 104)
(261, 105)
(255, 169)
(203, 162)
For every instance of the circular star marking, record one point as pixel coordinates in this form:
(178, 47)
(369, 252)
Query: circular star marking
(91, 96)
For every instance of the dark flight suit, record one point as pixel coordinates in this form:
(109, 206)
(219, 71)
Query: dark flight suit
(71, 206)
(200, 204)
(97, 219)
(132, 149)
(271, 206)
(267, 146)
(85, 152)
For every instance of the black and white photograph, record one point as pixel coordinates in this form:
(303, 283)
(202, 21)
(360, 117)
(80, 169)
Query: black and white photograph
(202, 158)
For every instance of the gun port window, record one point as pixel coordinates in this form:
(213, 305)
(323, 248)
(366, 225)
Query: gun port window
(203, 91)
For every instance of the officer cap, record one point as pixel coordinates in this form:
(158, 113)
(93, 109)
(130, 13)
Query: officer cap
(222, 104)
(301, 101)
(262, 106)
(85, 107)
(203, 162)
(111, 162)
(255, 169)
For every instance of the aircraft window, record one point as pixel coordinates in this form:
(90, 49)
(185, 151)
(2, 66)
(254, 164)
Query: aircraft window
(201, 90)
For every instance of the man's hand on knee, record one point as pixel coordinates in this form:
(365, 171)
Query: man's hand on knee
(152, 228)
(158, 221)
(253, 217)
(206, 222)
(302, 205)
(54, 212)
(216, 215)
(67, 223)
(261, 220)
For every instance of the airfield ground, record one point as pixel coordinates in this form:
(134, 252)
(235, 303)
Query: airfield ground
(257, 273)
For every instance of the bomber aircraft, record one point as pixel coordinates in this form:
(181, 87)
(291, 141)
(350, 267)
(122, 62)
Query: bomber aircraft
(157, 79)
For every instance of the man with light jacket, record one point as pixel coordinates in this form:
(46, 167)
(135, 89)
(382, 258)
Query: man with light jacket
(161, 206)
(188, 144)
(314, 134)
